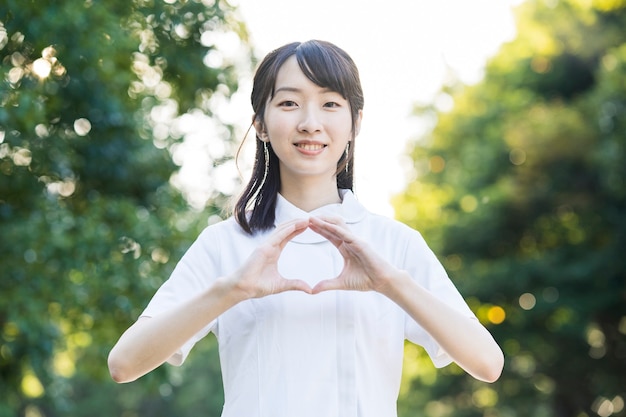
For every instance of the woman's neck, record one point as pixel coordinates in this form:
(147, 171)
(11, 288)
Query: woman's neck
(309, 197)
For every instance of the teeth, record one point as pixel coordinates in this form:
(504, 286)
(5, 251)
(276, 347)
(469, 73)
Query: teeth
(310, 147)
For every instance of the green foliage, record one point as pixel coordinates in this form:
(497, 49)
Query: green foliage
(521, 191)
(89, 223)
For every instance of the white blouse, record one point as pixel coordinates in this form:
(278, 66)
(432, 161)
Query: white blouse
(334, 354)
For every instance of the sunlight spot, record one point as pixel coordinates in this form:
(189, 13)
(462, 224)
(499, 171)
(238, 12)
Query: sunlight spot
(182, 31)
(622, 325)
(10, 331)
(485, 397)
(603, 407)
(213, 59)
(82, 126)
(31, 386)
(4, 37)
(32, 411)
(49, 53)
(517, 156)
(596, 340)
(437, 164)
(439, 408)
(609, 5)
(496, 314)
(30, 256)
(76, 276)
(541, 64)
(454, 262)
(129, 245)
(64, 365)
(63, 188)
(550, 294)
(527, 301)
(544, 384)
(17, 59)
(15, 75)
(41, 131)
(595, 336)
(42, 68)
(523, 364)
(444, 102)
(165, 390)
(22, 157)
(469, 203)
(79, 339)
(609, 62)
(160, 255)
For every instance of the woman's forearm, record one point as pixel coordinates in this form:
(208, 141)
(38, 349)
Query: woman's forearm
(467, 342)
(149, 342)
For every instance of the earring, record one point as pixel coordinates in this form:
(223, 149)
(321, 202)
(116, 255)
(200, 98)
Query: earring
(347, 155)
(266, 154)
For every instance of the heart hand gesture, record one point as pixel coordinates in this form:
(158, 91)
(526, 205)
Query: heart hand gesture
(364, 269)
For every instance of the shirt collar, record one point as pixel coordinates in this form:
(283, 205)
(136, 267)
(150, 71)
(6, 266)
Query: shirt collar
(350, 210)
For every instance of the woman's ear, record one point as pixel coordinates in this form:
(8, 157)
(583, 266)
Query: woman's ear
(259, 126)
(357, 123)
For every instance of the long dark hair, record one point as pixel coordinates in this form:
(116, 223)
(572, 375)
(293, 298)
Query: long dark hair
(327, 66)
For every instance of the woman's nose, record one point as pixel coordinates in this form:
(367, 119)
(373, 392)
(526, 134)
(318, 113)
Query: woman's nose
(310, 121)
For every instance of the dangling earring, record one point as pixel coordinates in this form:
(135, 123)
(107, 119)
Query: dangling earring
(347, 156)
(266, 154)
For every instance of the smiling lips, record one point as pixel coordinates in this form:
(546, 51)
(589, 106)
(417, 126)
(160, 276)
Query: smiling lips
(310, 148)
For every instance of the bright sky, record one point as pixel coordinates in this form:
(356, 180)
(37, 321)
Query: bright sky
(403, 48)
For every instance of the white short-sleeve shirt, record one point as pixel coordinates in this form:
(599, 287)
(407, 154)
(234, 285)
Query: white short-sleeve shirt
(334, 354)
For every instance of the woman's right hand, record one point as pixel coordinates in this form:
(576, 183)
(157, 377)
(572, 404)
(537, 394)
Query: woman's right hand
(259, 276)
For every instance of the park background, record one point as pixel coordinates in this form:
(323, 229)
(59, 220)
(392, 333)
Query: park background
(119, 125)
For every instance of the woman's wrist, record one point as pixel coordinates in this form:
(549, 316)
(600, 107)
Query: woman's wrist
(396, 285)
(230, 289)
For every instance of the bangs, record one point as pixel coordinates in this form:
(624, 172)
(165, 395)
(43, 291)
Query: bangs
(327, 68)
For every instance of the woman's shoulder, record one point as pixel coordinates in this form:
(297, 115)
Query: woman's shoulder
(225, 229)
(218, 225)
(386, 222)
(392, 231)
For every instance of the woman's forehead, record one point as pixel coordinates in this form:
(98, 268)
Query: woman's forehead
(291, 78)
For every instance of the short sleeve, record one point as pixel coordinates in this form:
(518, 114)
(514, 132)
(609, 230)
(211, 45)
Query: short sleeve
(426, 269)
(194, 273)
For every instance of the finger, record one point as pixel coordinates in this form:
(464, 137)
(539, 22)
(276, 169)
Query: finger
(332, 219)
(336, 233)
(287, 231)
(327, 285)
(296, 285)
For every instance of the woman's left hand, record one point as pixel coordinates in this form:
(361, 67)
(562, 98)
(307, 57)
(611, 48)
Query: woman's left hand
(363, 270)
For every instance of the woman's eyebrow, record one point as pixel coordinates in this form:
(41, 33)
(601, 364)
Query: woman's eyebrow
(298, 90)
(287, 89)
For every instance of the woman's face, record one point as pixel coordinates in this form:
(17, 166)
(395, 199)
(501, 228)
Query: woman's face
(307, 125)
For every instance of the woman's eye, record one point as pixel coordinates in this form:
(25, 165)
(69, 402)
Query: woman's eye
(287, 103)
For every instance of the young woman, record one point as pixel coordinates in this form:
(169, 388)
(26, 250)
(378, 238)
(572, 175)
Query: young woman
(310, 296)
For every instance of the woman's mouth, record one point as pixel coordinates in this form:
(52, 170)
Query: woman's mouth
(311, 147)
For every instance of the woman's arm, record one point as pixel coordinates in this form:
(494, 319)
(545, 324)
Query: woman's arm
(151, 341)
(467, 342)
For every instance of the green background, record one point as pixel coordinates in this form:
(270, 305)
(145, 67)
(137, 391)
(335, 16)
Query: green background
(520, 188)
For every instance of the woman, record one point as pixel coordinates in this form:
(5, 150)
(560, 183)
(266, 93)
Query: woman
(310, 296)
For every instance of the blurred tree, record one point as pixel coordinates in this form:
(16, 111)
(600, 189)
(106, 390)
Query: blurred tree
(520, 188)
(92, 98)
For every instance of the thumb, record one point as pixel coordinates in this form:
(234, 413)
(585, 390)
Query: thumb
(296, 285)
(327, 285)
